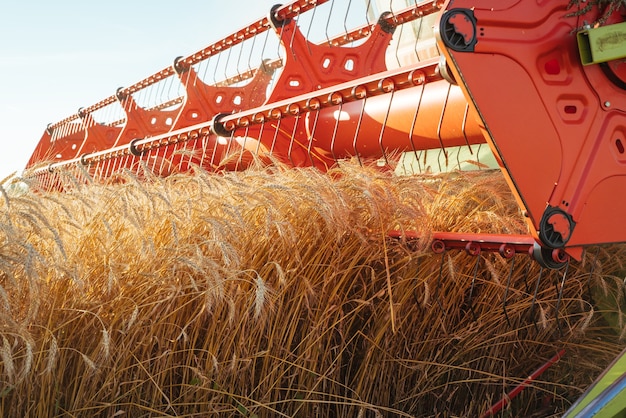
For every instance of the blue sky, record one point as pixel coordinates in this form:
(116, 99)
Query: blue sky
(57, 56)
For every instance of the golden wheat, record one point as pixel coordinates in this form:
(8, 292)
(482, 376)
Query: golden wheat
(276, 292)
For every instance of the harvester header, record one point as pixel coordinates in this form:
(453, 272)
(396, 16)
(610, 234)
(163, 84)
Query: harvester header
(536, 89)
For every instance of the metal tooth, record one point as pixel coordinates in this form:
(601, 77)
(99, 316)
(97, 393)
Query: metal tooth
(591, 272)
(471, 292)
(438, 285)
(356, 132)
(534, 301)
(560, 297)
(506, 292)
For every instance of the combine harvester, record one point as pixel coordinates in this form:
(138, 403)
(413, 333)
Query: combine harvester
(537, 88)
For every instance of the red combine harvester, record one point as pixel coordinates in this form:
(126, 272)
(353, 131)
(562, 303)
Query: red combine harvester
(538, 87)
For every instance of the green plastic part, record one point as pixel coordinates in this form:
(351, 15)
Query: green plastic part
(605, 390)
(602, 44)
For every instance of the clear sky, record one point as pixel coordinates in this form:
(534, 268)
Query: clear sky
(57, 56)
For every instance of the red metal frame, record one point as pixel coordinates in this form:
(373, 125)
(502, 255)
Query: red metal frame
(368, 87)
(558, 128)
(507, 245)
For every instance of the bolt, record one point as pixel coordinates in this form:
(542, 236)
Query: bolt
(607, 104)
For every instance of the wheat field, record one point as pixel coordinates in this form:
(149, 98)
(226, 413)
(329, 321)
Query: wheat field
(277, 292)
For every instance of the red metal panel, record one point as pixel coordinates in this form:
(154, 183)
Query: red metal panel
(557, 127)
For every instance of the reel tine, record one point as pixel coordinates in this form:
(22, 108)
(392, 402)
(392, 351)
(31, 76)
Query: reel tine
(532, 305)
(464, 130)
(416, 152)
(442, 147)
(334, 135)
(506, 291)
(382, 130)
(293, 138)
(526, 273)
(277, 128)
(560, 297)
(161, 161)
(311, 136)
(357, 130)
(203, 154)
(591, 272)
(415, 295)
(98, 171)
(242, 148)
(438, 285)
(471, 292)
